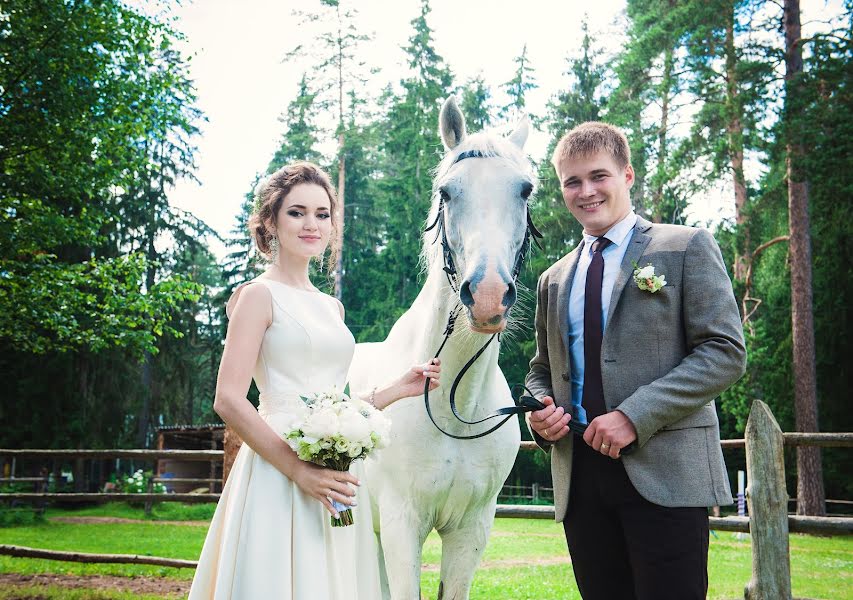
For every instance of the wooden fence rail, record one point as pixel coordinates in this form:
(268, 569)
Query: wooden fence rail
(86, 557)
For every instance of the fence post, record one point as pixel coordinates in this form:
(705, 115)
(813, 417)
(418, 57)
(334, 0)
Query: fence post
(535, 492)
(149, 503)
(767, 499)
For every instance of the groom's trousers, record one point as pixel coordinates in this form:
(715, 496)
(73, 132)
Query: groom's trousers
(624, 547)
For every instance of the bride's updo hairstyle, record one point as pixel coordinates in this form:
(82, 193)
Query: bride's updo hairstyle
(271, 192)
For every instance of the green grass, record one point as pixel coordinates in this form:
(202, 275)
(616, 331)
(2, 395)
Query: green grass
(53, 592)
(164, 511)
(518, 562)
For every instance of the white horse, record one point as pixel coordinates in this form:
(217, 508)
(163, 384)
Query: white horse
(426, 480)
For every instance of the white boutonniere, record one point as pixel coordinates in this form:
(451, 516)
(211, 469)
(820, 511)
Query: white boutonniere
(646, 279)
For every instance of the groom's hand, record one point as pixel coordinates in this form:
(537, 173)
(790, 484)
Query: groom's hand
(609, 433)
(551, 423)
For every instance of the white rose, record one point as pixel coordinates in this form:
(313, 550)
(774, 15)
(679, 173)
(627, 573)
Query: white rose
(646, 272)
(354, 427)
(321, 424)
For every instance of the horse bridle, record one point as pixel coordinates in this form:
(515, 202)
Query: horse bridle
(523, 403)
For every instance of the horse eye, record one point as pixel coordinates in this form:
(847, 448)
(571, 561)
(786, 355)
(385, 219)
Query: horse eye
(444, 195)
(526, 189)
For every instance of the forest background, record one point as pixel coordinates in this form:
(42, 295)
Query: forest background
(111, 297)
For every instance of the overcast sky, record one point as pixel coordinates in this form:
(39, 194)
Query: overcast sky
(244, 86)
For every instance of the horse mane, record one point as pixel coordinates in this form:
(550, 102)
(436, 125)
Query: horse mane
(490, 145)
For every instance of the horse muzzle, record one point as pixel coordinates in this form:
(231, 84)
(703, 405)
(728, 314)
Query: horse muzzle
(488, 302)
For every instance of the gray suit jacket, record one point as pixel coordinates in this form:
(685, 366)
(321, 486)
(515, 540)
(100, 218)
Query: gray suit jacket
(664, 358)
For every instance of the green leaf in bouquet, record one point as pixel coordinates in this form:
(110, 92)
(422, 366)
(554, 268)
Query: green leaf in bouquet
(346, 390)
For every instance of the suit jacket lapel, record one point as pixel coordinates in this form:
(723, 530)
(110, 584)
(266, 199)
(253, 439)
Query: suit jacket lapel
(565, 291)
(636, 246)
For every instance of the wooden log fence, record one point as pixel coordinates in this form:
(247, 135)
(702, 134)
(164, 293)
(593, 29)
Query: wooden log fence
(768, 521)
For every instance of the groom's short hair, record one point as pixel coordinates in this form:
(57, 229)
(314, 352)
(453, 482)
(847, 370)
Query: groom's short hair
(590, 138)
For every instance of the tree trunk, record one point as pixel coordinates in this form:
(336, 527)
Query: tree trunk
(734, 129)
(339, 240)
(144, 418)
(810, 492)
(666, 85)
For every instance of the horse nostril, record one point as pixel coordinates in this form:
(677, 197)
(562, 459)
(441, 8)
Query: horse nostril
(465, 294)
(510, 296)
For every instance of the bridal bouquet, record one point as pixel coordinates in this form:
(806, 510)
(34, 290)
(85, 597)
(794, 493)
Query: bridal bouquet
(335, 431)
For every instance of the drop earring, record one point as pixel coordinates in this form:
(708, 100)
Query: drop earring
(274, 247)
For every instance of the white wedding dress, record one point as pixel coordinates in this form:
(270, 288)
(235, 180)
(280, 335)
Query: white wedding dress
(268, 540)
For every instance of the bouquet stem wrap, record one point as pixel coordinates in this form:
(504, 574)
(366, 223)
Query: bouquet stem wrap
(345, 517)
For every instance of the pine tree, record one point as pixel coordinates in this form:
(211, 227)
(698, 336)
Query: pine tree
(516, 88)
(300, 138)
(476, 104)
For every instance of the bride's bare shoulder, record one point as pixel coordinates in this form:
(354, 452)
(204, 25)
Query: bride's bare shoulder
(249, 296)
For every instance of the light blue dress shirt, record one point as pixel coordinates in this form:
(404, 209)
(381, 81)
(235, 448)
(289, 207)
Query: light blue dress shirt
(619, 236)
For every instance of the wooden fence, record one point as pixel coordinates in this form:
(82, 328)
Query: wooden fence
(767, 499)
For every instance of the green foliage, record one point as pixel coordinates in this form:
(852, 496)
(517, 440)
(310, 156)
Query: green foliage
(300, 139)
(98, 116)
(409, 149)
(17, 516)
(66, 150)
(138, 484)
(476, 104)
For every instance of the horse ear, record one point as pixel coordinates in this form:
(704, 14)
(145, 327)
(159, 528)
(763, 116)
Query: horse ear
(451, 124)
(519, 136)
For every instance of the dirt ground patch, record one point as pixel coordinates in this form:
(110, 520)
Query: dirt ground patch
(136, 585)
(124, 520)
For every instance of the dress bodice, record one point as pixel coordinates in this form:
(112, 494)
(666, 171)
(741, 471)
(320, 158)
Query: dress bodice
(306, 349)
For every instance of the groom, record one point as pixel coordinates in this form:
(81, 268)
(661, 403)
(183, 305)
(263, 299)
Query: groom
(641, 360)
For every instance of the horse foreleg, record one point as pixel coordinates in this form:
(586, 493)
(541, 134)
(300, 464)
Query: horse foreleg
(402, 536)
(461, 551)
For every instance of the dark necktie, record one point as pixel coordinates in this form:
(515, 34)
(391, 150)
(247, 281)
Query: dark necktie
(593, 389)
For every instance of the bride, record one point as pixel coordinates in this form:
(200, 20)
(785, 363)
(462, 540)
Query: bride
(270, 536)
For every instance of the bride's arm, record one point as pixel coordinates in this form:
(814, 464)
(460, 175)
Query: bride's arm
(249, 320)
(409, 384)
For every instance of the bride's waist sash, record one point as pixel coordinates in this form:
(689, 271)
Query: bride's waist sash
(270, 403)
